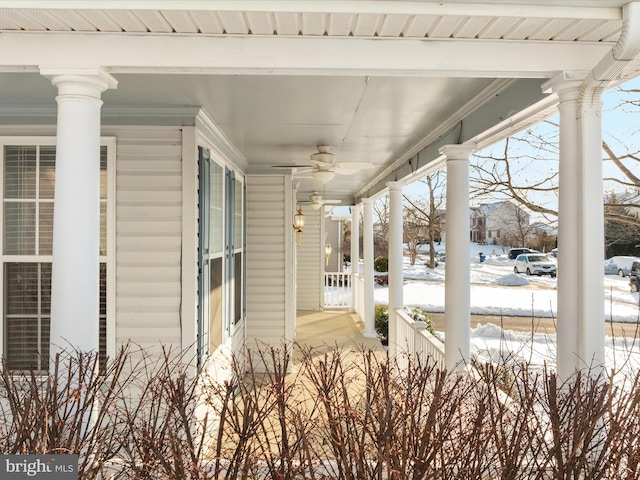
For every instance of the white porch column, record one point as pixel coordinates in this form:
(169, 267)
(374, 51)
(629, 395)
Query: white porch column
(369, 303)
(567, 355)
(355, 253)
(457, 274)
(76, 227)
(591, 232)
(395, 263)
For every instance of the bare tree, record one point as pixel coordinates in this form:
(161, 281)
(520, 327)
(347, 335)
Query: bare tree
(381, 227)
(416, 227)
(525, 171)
(424, 217)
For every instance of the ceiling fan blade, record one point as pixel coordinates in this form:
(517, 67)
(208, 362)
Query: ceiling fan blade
(292, 166)
(351, 167)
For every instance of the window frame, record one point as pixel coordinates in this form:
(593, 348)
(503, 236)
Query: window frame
(109, 259)
(232, 236)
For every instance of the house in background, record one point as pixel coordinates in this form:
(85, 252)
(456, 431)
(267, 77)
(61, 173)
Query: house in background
(542, 237)
(499, 223)
(155, 154)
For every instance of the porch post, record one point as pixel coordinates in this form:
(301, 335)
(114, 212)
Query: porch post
(395, 263)
(591, 232)
(76, 223)
(457, 307)
(369, 304)
(355, 254)
(567, 355)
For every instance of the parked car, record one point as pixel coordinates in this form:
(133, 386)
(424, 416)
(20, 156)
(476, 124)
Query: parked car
(634, 277)
(514, 252)
(619, 265)
(554, 253)
(535, 264)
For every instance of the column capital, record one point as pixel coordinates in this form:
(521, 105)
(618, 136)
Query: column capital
(79, 80)
(566, 85)
(367, 201)
(458, 151)
(397, 186)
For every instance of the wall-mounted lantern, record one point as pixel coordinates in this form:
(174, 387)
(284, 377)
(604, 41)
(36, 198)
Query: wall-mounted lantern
(327, 253)
(298, 223)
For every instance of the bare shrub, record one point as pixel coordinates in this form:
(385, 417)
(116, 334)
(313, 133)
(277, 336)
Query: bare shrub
(337, 414)
(69, 411)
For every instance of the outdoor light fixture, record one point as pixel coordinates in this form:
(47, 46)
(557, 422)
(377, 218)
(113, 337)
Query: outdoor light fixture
(298, 223)
(323, 176)
(327, 253)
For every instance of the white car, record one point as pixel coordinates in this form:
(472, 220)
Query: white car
(535, 264)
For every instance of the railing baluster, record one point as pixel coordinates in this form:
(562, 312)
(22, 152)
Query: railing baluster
(337, 289)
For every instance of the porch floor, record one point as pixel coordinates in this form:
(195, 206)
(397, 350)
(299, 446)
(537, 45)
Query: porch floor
(326, 330)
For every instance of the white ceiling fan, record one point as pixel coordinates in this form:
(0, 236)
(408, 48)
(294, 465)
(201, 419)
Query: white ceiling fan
(316, 201)
(325, 167)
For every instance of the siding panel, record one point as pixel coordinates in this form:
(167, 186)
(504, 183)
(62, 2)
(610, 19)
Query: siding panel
(266, 294)
(308, 269)
(148, 234)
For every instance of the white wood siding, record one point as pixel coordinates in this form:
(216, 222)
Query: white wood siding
(148, 235)
(309, 268)
(267, 223)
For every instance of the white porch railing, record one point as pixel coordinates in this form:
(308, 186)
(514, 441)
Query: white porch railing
(337, 290)
(415, 339)
(358, 294)
(412, 335)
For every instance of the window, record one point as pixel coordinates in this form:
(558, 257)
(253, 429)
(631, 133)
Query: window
(221, 301)
(27, 219)
(210, 254)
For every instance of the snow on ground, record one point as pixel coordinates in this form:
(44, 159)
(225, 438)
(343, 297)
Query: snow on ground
(497, 290)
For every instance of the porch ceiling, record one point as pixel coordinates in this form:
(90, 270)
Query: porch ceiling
(379, 81)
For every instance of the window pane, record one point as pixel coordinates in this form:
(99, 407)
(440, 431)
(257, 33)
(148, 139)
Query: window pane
(28, 305)
(21, 286)
(19, 228)
(47, 171)
(215, 304)
(103, 314)
(22, 348)
(103, 172)
(19, 172)
(46, 228)
(28, 347)
(238, 287)
(237, 224)
(103, 228)
(45, 288)
(215, 220)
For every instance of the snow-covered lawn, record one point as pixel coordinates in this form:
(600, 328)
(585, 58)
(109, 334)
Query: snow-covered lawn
(497, 290)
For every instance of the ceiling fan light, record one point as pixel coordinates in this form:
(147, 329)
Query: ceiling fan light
(316, 206)
(323, 176)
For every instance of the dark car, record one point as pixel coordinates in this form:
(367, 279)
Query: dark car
(634, 277)
(514, 252)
